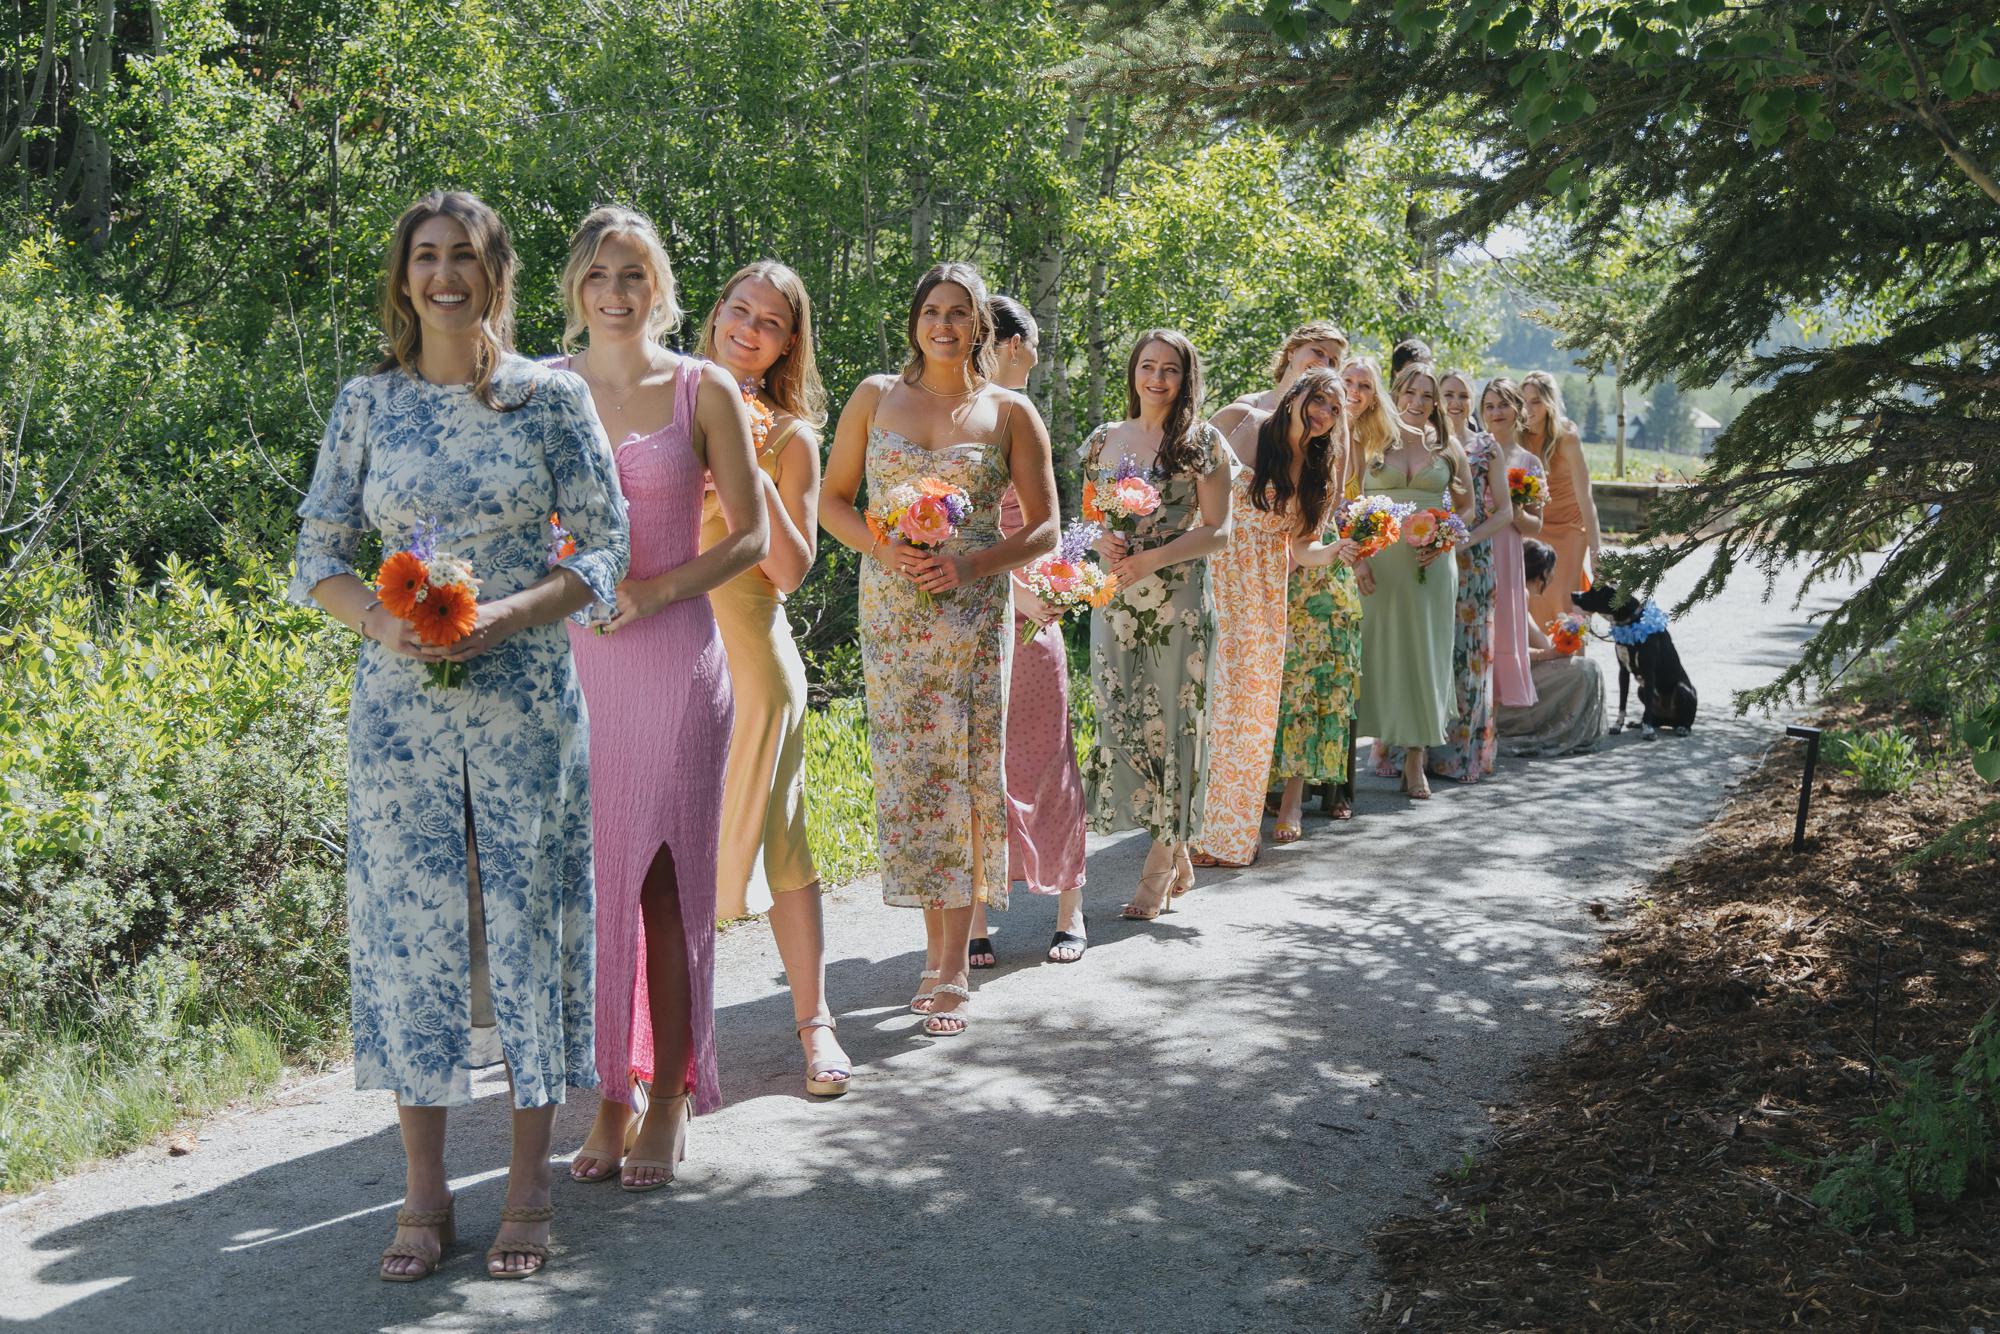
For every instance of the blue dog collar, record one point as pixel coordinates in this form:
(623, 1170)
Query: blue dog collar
(1651, 622)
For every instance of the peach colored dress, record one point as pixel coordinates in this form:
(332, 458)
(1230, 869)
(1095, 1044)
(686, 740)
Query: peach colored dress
(1562, 528)
(1248, 580)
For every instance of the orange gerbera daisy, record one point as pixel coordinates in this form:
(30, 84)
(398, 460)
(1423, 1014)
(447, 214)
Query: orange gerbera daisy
(447, 615)
(401, 583)
(1090, 508)
(931, 486)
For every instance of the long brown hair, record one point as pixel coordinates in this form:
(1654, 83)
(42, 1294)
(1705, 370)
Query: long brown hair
(403, 333)
(1439, 423)
(1317, 331)
(793, 382)
(1271, 488)
(1178, 442)
(984, 353)
(1555, 421)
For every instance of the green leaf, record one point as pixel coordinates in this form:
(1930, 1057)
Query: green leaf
(1986, 75)
(1987, 765)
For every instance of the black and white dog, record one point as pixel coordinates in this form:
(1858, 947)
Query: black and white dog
(1645, 650)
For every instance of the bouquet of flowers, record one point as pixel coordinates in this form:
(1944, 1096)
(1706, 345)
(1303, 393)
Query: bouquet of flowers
(561, 546)
(1566, 633)
(1066, 578)
(1118, 499)
(925, 513)
(1374, 523)
(435, 592)
(1433, 529)
(1526, 486)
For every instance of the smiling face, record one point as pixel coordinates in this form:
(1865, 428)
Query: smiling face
(1534, 408)
(1498, 414)
(1328, 352)
(947, 325)
(1157, 375)
(445, 280)
(1419, 395)
(619, 290)
(1317, 413)
(1360, 389)
(754, 327)
(1457, 400)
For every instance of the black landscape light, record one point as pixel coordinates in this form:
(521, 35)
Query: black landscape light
(1809, 735)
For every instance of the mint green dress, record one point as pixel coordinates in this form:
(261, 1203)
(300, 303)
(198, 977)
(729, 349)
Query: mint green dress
(1407, 696)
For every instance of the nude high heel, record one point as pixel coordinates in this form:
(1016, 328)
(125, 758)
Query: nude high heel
(675, 1108)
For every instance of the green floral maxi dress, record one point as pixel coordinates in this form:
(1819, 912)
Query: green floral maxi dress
(1150, 656)
(1322, 675)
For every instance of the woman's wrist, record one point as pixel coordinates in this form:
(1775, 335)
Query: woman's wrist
(367, 614)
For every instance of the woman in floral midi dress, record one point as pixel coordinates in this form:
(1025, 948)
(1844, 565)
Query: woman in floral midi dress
(469, 874)
(936, 627)
(1151, 646)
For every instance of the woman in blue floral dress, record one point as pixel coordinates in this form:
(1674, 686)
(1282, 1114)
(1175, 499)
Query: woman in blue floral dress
(469, 855)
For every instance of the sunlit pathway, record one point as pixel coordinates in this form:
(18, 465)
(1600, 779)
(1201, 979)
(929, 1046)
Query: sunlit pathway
(1194, 1128)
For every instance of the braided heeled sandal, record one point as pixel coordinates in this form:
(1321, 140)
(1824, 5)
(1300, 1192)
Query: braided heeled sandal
(821, 1082)
(520, 1213)
(935, 1025)
(441, 1219)
(921, 1002)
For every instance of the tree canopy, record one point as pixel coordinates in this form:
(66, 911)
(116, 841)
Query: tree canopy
(1835, 164)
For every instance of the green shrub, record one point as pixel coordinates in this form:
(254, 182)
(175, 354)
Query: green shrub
(1883, 762)
(840, 791)
(171, 849)
(1931, 1142)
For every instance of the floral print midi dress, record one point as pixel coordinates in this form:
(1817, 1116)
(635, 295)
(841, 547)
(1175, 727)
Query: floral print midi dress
(1150, 653)
(505, 753)
(936, 682)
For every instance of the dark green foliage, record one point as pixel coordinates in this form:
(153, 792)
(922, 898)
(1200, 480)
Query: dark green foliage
(1932, 1141)
(1836, 162)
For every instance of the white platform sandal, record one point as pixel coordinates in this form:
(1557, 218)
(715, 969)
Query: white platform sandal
(934, 1025)
(827, 1081)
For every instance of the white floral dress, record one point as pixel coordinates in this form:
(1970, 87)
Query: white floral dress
(507, 748)
(1150, 653)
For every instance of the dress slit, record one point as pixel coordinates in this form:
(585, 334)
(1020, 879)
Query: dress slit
(644, 1063)
(485, 1047)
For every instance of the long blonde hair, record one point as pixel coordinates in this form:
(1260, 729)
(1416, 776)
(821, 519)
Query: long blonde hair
(403, 333)
(1440, 425)
(597, 227)
(1471, 393)
(1556, 420)
(1374, 430)
(793, 382)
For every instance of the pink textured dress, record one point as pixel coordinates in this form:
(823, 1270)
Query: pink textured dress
(657, 694)
(1044, 791)
(1513, 677)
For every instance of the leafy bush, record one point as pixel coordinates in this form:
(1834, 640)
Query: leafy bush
(1884, 761)
(172, 821)
(1932, 1141)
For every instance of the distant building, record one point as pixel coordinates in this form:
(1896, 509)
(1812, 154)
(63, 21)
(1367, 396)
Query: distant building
(1706, 428)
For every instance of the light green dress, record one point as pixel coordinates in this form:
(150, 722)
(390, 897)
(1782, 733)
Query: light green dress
(1150, 655)
(1407, 694)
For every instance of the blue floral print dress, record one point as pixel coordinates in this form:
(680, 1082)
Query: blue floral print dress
(505, 752)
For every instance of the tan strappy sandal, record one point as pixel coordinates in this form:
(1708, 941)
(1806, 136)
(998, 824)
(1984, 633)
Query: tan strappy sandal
(443, 1220)
(616, 1157)
(676, 1107)
(520, 1213)
(819, 1082)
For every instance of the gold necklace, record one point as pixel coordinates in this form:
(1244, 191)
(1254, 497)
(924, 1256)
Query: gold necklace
(939, 393)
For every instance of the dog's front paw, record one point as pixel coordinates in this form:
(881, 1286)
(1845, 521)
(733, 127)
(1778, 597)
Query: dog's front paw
(1649, 733)
(1617, 727)
(1683, 731)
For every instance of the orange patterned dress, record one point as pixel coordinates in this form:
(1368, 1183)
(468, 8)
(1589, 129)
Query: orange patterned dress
(1248, 580)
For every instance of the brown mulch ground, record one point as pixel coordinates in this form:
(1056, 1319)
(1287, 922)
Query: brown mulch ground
(1640, 1180)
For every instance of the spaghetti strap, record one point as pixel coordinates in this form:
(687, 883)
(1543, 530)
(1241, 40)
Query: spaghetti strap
(686, 390)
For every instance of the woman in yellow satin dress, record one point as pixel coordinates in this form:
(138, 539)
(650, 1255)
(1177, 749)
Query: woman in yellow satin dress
(760, 331)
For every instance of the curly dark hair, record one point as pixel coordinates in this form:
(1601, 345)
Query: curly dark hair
(1271, 488)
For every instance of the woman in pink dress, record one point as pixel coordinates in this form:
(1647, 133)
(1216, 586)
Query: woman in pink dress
(656, 685)
(1044, 791)
(1513, 674)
